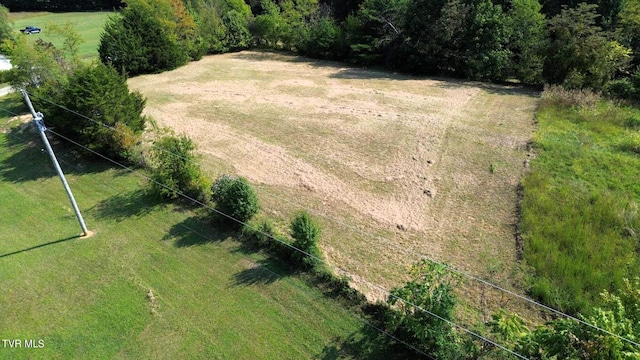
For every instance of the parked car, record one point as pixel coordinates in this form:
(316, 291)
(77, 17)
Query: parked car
(31, 30)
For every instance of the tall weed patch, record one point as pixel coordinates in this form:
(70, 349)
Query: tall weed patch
(578, 232)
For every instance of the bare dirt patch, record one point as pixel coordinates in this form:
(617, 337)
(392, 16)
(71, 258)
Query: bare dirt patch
(430, 165)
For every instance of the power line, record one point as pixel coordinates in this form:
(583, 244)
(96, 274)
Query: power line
(101, 124)
(195, 201)
(386, 241)
(9, 111)
(261, 266)
(282, 277)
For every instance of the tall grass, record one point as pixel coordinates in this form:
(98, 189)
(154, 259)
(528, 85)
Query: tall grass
(578, 222)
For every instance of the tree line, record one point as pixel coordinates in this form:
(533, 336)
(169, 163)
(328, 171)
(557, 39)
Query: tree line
(578, 45)
(98, 91)
(593, 44)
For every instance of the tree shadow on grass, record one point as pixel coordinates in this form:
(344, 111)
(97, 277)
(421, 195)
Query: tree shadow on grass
(137, 203)
(29, 161)
(367, 343)
(345, 70)
(196, 230)
(261, 273)
(499, 88)
(370, 342)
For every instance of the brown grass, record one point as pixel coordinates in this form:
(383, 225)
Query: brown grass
(429, 164)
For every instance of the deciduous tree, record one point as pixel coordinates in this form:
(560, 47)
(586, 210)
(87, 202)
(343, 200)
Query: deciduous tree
(580, 53)
(175, 170)
(428, 293)
(305, 232)
(528, 40)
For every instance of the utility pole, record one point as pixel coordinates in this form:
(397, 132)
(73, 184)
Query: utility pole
(37, 119)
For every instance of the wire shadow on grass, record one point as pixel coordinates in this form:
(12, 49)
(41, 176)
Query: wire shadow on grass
(132, 204)
(196, 230)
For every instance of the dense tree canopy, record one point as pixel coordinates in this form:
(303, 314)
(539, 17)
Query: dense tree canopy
(629, 27)
(148, 37)
(580, 53)
(609, 9)
(217, 26)
(99, 92)
(583, 46)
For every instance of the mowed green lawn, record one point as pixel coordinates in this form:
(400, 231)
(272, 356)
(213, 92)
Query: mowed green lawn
(89, 26)
(88, 298)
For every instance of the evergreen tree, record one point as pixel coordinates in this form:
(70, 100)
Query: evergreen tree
(100, 93)
(144, 38)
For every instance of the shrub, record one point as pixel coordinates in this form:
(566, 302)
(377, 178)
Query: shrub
(627, 88)
(431, 289)
(175, 169)
(305, 232)
(621, 89)
(234, 198)
(97, 92)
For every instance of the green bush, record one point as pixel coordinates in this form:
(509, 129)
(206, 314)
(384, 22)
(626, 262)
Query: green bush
(237, 34)
(323, 38)
(568, 339)
(621, 89)
(431, 288)
(627, 88)
(97, 92)
(175, 170)
(305, 232)
(234, 197)
(144, 38)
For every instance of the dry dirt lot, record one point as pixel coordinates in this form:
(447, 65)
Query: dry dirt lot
(428, 166)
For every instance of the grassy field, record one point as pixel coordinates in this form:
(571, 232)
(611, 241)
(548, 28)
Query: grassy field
(89, 26)
(430, 165)
(89, 298)
(580, 223)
